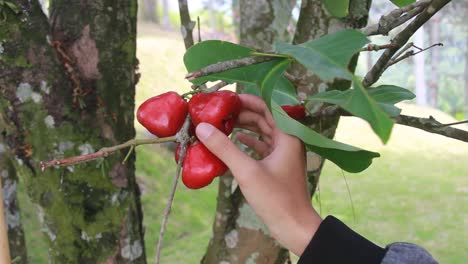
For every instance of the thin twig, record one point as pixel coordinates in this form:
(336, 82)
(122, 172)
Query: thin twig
(410, 53)
(215, 87)
(183, 138)
(199, 32)
(395, 18)
(226, 65)
(104, 152)
(455, 123)
(400, 39)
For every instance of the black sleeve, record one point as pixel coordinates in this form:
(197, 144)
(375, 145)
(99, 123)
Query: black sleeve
(334, 242)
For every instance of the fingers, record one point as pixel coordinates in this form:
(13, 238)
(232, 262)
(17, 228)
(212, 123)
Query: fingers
(256, 104)
(260, 147)
(252, 119)
(220, 145)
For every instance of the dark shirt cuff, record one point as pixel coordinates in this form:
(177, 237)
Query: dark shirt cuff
(334, 242)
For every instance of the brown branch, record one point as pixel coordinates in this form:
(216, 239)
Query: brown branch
(430, 124)
(187, 24)
(400, 39)
(395, 18)
(104, 152)
(184, 138)
(374, 47)
(433, 126)
(226, 65)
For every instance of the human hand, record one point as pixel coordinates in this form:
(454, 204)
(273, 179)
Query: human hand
(275, 186)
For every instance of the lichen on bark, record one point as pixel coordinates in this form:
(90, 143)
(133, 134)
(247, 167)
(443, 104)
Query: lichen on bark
(89, 215)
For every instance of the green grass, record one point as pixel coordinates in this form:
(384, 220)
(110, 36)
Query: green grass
(417, 191)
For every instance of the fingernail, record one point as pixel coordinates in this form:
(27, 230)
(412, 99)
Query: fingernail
(204, 130)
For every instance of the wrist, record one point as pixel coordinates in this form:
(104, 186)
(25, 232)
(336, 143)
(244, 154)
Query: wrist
(298, 232)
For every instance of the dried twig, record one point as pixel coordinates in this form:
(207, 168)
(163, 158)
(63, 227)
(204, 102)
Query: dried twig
(395, 18)
(396, 59)
(104, 152)
(183, 138)
(400, 39)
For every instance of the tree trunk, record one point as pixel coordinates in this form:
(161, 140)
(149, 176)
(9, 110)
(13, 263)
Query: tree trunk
(149, 10)
(166, 20)
(238, 235)
(212, 11)
(419, 73)
(16, 239)
(74, 97)
(466, 78)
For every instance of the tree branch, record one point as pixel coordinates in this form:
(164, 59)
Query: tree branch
(433, 126)
(104, 152)
(187, 24)
(430, 124)
(395, 18)
(374, 74)
(227, 65)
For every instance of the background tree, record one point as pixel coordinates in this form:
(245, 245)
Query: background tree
(149, 11)
(67, 88)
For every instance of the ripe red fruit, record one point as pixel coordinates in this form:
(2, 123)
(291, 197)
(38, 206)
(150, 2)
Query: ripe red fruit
(220, 109)
(295, 111)
(163, 115)
(200, 166)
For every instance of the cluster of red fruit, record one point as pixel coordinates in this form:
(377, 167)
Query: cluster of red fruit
(164, 115)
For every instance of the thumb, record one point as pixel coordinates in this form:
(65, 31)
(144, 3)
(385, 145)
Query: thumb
(220, 145)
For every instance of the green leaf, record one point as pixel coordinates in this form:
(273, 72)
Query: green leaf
(390, 94)
(401, 3)
(349, 158)
(337, 8)
(359, 103)
(328, 57)
(271, 79)
(213, 51)
(285, 93)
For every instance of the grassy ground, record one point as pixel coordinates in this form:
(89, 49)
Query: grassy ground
(417, 191)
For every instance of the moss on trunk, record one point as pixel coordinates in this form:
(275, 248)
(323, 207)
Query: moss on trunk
(72, 92)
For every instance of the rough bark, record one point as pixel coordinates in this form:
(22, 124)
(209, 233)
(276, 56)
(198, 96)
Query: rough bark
(16, 239)
(70, 98)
